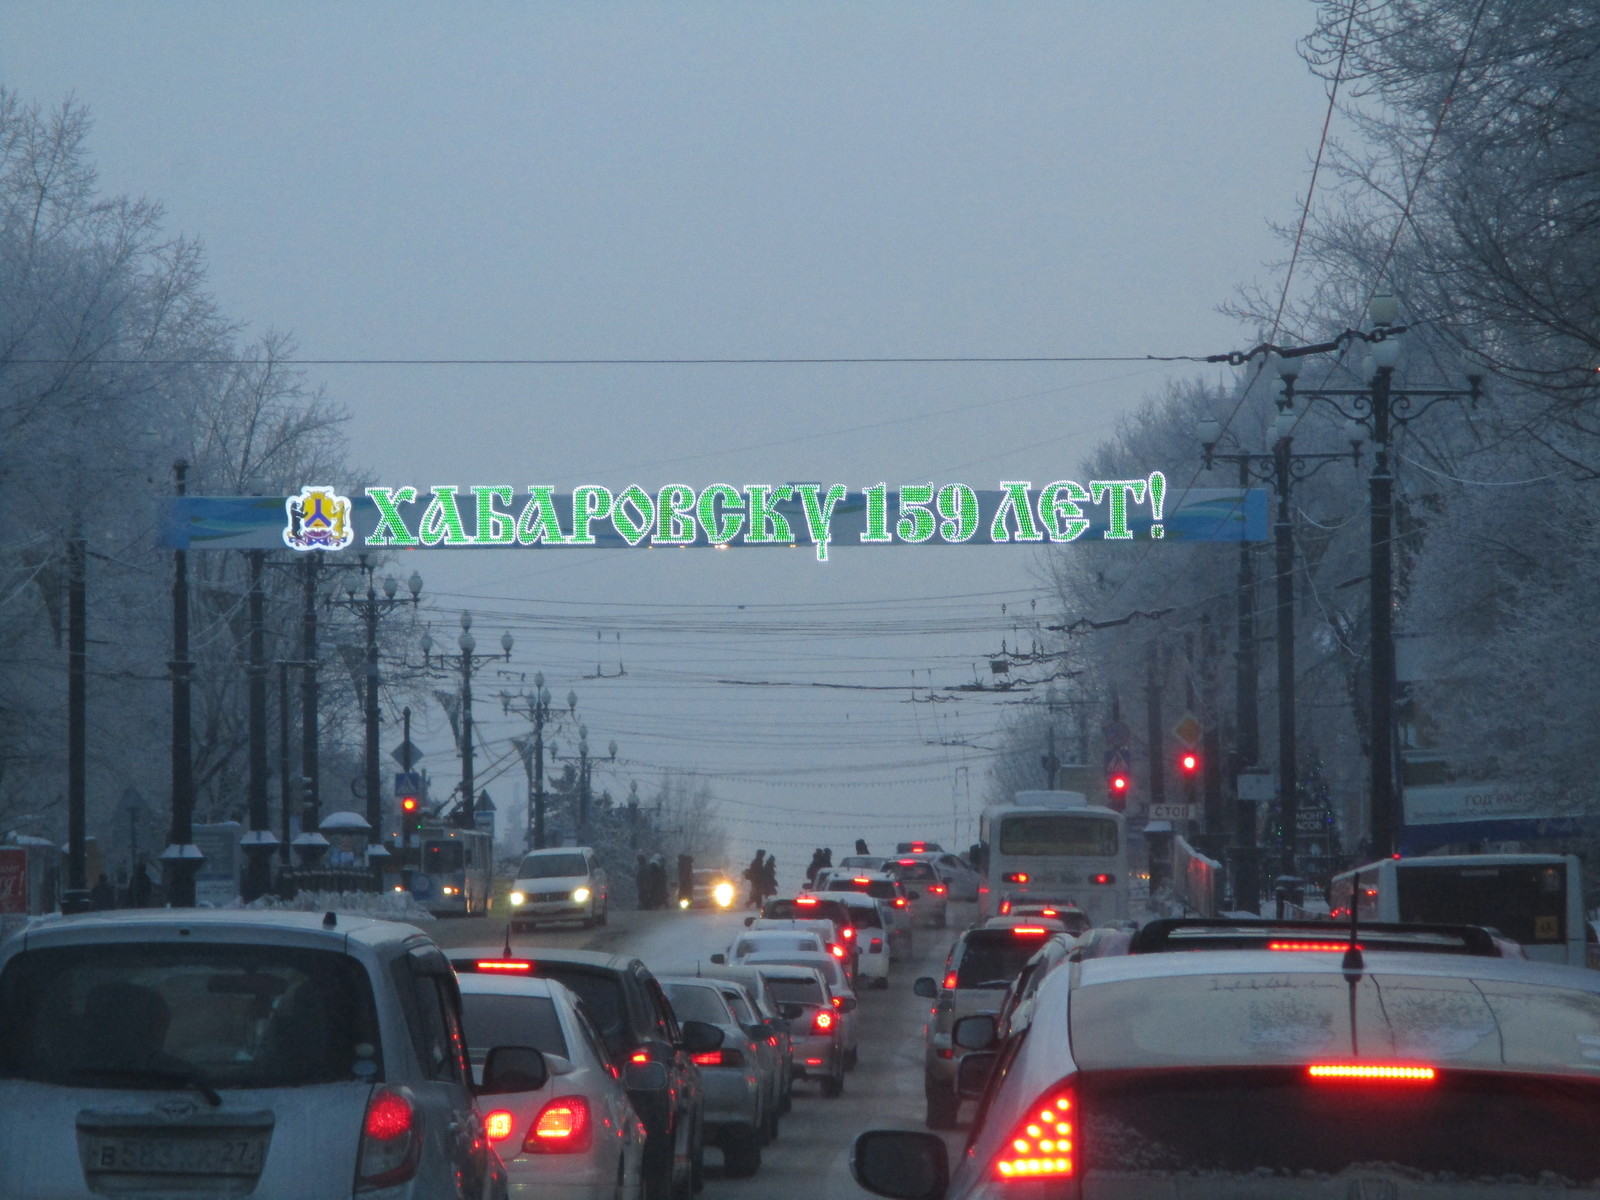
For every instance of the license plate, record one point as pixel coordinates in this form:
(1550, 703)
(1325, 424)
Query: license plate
(175, 1155)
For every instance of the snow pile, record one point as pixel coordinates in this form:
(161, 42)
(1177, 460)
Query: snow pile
(386, 906)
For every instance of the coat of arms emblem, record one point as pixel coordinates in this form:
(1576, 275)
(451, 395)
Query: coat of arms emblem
(319, 519)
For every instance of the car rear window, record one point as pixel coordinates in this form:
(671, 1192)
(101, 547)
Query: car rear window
(500, 1020)
(602, 994)
(993, 960)
(917, 872)
(1463, 1128)
(796, 991)
(692, 1002)
(775, 943)
(232, 1016)
(552, 866)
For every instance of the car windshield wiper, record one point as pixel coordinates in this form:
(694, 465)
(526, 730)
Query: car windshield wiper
(160, 1076)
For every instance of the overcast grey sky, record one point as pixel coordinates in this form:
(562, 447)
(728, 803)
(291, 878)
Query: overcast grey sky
(718, 180)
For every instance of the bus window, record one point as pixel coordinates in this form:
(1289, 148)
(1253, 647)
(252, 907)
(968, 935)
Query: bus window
(1058, 834)
(1524, 902)
(440, 857)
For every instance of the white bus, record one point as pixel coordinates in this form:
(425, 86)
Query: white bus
(454, 876)
(1533, 899)
(1057, 846)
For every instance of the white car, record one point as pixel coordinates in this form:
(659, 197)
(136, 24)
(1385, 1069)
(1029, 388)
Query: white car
(564, 884)
(871, 937)
(577, 1137)
(959, 877)
(772, 941)
(843, 996)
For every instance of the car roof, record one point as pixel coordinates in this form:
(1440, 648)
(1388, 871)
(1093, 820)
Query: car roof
(218, 924)
(482, 983)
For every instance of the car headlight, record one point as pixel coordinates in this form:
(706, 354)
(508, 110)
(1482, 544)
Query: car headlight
(683, 902)
(449, 891)
(518, 898)
(580, 894)
(723, 895)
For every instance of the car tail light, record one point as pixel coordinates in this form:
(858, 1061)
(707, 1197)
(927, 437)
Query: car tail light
(823, 1022)
(1042, 1145)
(639, 1056)
(983, 890)
(876, 946)
(1102, 879)
(847, 933)
(1373, 1072)
(1029, 929)
(837, 1001)
(562, 1127)
(813, 1062)
(1048, 912)
(861, 879)
(1005, 908)
(950, 981)
(805, 901)
(1323, 945)
(836, 951)
(720, 1058)
(391, 1139)
(498, 1125)
(937, 889)
(503, 964)
(1017, 877)
(899, 901)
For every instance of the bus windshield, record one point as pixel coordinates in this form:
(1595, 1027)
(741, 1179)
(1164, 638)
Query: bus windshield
(1526, 902)
(440, 857)
(1065, 835)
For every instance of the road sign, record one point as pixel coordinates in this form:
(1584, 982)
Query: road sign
(400, 751)
(1171, 812)
(1117, 733)
(407, 783)
(1257, 785)
(1119, 758)
(421, 886)
(1188, 729)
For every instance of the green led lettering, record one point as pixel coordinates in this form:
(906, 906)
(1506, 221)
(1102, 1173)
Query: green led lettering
(721, 527)
(1016, 502)
(768, 526)
(538, 522)
(442, 520)
(391, 530)
(633, 532)
(958, 505)
(916, 522)
(1118, 490)
(877, 514)
(590, 502)
(1058, 510)
(675, 515)
(819, 514)
(495, 528)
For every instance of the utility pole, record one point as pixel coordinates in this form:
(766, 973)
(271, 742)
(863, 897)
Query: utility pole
(465, 662)
(311, 804)
(181, 855)
(75, 898)
(259, 842)
(285, 791)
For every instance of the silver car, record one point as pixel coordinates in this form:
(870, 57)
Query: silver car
(287, 1056)
(736, 1092)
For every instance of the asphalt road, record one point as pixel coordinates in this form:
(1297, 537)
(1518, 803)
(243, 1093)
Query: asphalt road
(810, 1160)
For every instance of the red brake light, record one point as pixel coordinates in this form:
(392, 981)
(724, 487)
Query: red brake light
(1042, 1143)
(1309, 945)
(861, 879)
(847, 932)
(391, 1139)
(390, 1115)
(908, 862)
(1005, 907)
(937, 889)
(1038, 929)
(1102, 879)
(498, 1125)
(837, 1001)
(836, 951)
(720, 1058)
(823, 1022)
(918, 847)
(949, 981)
(899, 901)
(1017, 877)
(1372, 1071)
(639, 1056)
(805, 901)
(562, 1127)
(1048, 912)
(503, 964)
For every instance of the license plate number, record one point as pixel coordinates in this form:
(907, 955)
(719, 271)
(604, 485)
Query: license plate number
(175, 1155)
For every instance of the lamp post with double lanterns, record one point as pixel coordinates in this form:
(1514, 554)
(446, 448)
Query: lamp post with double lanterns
(1281, 468)
(370, 607)
(1379, 408)
(464, 662)
(536, 707)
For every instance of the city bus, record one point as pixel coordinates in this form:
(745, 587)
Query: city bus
(1533, 899)
(1056, 846)
(454, 876)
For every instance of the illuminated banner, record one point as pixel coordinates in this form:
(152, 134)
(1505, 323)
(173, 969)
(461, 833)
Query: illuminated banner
(499, 516)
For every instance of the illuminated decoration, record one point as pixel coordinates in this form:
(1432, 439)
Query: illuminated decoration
(1374, 1071)
(814, 515)
(318, 519)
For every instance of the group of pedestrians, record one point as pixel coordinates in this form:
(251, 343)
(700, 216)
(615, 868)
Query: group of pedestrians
(821, 860)
(763, 876)
(650, 876)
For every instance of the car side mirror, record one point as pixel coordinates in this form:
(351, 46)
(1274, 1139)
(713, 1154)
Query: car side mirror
(644, 1077)
(977, 1032)
(972, 1076)
(845, 1004)
(513, 1069)
(719, 960)
(779, 1024)
(927, 987)
(792, 1012)
(902, 1164)
(749, 921)
(701, 1038)
(755, 1033)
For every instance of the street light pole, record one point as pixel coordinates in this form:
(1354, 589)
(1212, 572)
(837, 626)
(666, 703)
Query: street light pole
(1378, 407)
(181, 855)
(75, 897)
(465, 662)
(259, 842)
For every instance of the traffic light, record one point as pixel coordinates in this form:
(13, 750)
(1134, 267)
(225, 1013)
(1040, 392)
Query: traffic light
(1188, 764)
(1117, 789)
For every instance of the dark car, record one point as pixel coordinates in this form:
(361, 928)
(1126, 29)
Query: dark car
(635, 1021)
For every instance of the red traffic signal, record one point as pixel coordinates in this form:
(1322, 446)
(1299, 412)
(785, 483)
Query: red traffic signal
(1188, 762)
(409, 804)
(1117, 784)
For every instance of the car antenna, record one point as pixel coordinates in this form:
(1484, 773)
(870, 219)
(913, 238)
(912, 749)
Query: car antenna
(1353, 961)
(507, 952)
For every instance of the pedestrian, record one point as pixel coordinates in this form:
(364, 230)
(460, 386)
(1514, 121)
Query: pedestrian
(769, 878)
(815, 865)
(102, 895)
(139, 886)
(685, 880)
(658, 882)
(754, 873)
(641, 880)
(861, 846)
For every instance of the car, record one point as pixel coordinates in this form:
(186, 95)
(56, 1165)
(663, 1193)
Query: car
(807, 1004)
(636, 1025)
(896, 900)
(713, 888)
(1073, 918)
(930, 907)
(958, 875)
(809, 907)
(755, 994)
(859, 863)
(776, 941)
(918, 848)
(1324, 1072)
(981, 965)
(202, 1052)
(842, 996)
(563, 884)
(577, 1137)
(737, 1095)
(869, 931)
